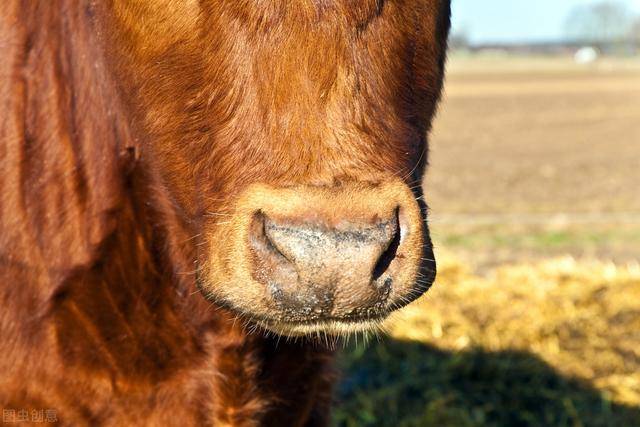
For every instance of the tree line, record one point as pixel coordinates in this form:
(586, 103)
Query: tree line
(599, 22)
(607, 21)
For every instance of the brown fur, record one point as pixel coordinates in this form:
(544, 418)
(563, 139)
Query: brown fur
(125, 125)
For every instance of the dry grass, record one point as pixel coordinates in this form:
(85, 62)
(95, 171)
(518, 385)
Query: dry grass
(555, 342)
(583, 318)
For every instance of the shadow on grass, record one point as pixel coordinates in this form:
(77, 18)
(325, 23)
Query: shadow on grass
(396, 383)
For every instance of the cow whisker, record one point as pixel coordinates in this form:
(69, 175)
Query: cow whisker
(213, 214)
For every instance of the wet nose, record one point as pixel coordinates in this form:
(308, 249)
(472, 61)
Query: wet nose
(329, 257)
(308, 265)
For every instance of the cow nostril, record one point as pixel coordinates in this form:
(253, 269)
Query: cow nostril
(389, 253)
(269, 242)
(263, 243)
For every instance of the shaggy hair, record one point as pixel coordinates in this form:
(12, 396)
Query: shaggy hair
(129, 130)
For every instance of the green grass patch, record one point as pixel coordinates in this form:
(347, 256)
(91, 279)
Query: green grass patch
(570, 239)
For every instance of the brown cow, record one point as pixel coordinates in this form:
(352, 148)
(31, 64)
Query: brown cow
(182, 182)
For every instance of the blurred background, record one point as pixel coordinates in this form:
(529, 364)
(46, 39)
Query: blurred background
(534, 190)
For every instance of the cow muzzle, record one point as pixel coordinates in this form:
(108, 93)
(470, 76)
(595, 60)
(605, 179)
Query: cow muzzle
(301, 259)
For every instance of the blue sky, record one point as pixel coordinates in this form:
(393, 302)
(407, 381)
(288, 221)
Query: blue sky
(515, 20)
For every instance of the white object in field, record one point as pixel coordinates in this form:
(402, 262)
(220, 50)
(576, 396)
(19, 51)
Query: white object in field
(586, 55)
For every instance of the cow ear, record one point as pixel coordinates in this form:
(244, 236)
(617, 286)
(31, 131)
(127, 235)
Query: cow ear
(65, 148)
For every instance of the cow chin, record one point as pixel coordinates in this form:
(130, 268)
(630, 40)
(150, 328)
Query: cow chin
(307, 259)
(326, 327)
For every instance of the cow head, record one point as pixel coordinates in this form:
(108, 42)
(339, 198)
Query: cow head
(288, 140)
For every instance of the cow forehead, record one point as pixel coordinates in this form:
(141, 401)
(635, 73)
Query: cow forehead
(322, 84)
(305, 45)
(359, 11)
(166, 18)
